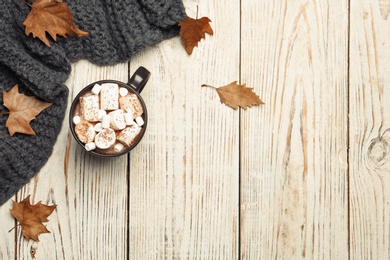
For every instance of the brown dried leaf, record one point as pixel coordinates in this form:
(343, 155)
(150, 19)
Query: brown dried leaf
(193, 30)
(22, 110)
(53, 17)
(31, 217)
(235, 95)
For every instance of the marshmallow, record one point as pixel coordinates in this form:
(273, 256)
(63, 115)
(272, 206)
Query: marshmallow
(90, 146)
(109, 96)
(96, 89)
(76, 120)
(128, 135)
(89, 107)
(117, 119)
(105, 138)
(98, 127)
(118, 147)
(85, 131)
(140, 121)
(101, 113)
(131, 103)
(129, 118)
(106, 120)
(123, 91)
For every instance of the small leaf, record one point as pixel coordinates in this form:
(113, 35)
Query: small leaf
(235, 95)
(193, 30)
(31, 217)
(53, 17)
(22, 110)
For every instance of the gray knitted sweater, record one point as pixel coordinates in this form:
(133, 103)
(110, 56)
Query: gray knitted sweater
(117, 30)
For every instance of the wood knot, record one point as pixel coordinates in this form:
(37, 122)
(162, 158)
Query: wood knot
(33, 251)
(379, 151)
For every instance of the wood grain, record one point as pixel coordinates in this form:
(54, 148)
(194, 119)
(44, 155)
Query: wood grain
(7, 239)
(304, 176)
(294, 148)
(184, 174)
(369, 130)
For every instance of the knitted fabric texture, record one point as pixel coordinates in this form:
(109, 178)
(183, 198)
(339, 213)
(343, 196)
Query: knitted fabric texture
(117, 30)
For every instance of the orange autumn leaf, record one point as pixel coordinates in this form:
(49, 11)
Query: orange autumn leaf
(53, 17)
(31, 217)
(22, 110)
(193, 30)
(235, 95)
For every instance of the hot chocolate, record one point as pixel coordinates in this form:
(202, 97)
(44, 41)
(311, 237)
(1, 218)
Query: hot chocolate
(108, 118)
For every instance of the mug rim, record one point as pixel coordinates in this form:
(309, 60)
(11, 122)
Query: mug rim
(76, 101)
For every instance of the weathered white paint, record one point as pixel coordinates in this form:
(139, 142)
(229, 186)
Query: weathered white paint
(294, 178)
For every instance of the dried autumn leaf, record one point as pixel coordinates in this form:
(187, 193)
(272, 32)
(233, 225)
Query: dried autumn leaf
(31, 217)
(22, 110)
(235, 95)
(193, 30)
(53, 17)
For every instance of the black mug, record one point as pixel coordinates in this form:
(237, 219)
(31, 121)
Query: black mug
(135, 85)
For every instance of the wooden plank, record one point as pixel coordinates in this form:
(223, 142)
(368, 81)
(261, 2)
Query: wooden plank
(90, 221)
(184, 173)
(369, 130)
(294, 200)
(7, 237)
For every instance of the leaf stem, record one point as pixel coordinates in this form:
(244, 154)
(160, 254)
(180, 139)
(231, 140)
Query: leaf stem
(205, 85)
(13, 228)
(25, 1)
(197, 10)
(4, 113)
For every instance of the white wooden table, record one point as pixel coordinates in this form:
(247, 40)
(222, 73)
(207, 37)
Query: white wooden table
(307, 175)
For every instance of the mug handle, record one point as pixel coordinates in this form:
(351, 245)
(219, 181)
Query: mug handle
(139, 79)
